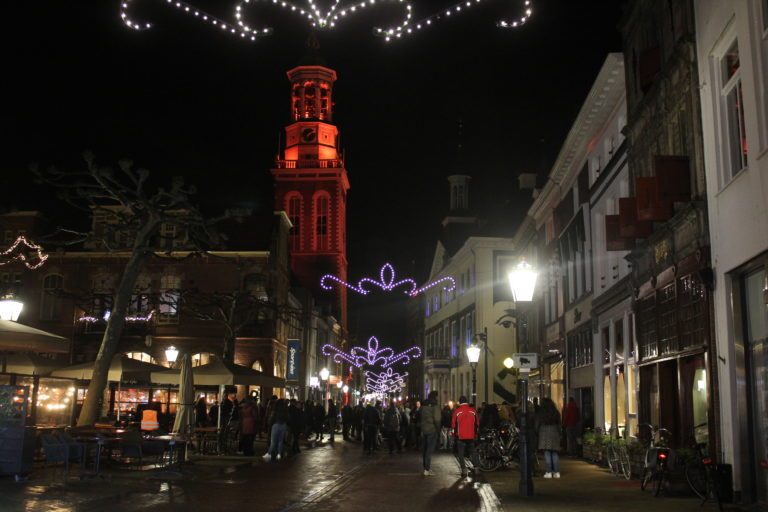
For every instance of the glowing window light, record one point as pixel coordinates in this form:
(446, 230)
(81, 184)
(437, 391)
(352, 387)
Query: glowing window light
(10, 309)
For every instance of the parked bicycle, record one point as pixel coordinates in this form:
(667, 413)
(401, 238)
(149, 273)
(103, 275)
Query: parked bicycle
(498, 447)
(618, 456)
(656, 469)
(701, 474)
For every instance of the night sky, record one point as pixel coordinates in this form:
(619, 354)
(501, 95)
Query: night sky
(184, 99)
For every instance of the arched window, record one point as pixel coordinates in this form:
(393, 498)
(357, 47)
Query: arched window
(170, 296)
(257, 366)
(202, 358)
(322, 238)
(141, 356)
(293, 207)
(50, 303)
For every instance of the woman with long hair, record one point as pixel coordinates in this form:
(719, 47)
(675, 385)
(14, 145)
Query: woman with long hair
(548, 429)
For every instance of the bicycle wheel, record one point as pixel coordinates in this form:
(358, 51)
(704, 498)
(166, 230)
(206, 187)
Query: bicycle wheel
(489, 457)
(696, 476)
(661, 475)
(646, 478)
(612, 459)
(625, 462)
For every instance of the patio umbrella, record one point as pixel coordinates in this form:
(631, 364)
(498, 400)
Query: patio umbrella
(18, 337)
(186, 406)
(27, 364)
(121, 368)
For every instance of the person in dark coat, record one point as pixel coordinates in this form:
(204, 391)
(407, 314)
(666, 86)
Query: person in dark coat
(318, 421)
(201, 413)
(249, 417)
(331, 419)
(309, 412)
(391, 426)
(295, 424)
(359, 413)
(347, 415)
(371, 423)
(548, 429)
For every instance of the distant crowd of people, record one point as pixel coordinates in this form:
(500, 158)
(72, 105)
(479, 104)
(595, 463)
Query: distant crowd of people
(395, 427)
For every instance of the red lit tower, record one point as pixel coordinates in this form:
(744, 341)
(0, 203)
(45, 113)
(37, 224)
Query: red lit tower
(311, 182)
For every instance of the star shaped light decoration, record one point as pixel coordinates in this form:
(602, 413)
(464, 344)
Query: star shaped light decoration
(330, 17)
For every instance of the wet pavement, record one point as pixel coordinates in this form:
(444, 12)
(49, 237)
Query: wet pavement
(328, 478)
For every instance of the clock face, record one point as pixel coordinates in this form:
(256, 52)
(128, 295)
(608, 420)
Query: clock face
(308, 135)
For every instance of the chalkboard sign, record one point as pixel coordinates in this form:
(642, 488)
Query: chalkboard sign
(13, 404)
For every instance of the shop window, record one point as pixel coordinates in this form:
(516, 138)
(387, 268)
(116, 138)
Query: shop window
(646, 323)
(700, 402)
(50, 303)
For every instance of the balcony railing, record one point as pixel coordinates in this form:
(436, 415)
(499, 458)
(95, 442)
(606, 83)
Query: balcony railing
(335, 163)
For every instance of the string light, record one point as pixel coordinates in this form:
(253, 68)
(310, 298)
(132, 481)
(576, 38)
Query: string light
(328, 19)
(385, 382)
(130, 318)
(371, 356)
(387, 283)
(8, 256)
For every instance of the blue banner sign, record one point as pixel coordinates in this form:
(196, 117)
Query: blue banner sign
(292, 373)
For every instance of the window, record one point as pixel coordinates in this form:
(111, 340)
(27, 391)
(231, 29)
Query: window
(202, 358)
(141, 356)
(732, 113)
(167, 235)
(170, 295)
(256, 285)
(257, 366)
(580, 348)
(50, 303)
(427, 308)
(294, 215)
(468, 332)
(321, 223)
(454, 339)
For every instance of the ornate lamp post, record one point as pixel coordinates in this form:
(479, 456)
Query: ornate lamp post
(473, 356)
(522, 281)
(171, 353)
(10, 309)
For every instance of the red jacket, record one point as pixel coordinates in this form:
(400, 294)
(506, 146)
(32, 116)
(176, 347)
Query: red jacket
(465, 422)
(571, 415)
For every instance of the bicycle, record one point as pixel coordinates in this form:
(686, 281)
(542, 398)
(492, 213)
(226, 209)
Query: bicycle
(498, 447)
(701, 475)
(618, 456)
(656, 460)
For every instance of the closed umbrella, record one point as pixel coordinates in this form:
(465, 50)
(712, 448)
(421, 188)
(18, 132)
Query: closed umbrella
(186, 405)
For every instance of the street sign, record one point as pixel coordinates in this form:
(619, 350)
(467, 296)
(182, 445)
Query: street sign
(525, 361)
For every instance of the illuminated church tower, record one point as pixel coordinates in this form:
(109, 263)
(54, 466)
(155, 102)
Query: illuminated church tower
(311, 182)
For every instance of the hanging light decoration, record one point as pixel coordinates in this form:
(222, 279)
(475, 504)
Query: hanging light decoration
(335, 14)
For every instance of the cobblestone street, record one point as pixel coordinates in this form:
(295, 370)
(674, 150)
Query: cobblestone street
(330, 478)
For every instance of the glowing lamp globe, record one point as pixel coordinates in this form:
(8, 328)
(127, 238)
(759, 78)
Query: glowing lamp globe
(522, 281)
(171, 354)
(345, 389)
(473, 354)
(509, 363)
(314, 382)
(339, 384)
(10, 309)
(324, 374)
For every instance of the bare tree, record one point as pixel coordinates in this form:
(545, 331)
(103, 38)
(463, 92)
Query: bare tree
(136, 211)
(234, 311)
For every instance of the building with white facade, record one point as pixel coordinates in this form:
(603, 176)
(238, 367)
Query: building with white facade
(732, 48)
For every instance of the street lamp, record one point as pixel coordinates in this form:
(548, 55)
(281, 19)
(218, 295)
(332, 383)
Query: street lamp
(10, 309)
(473, 356)
(522, 281)
(324, 374)
(171, 354)
(509, 363)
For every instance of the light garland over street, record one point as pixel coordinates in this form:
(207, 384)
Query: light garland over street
(329, 19)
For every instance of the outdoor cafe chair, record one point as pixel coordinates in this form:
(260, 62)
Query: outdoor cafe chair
(76, 448)
(54, 451)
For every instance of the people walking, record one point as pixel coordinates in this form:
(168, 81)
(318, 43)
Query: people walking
(430, 429)
(347, 415)
(465, 424)
(416, 424)
(201, 413)
(318, 420)
(571, 422)
(548, 429)
(446, 439)
(295, 424)
(371, 422)
(392, 427)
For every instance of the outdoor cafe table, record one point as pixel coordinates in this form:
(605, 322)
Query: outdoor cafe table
(171, 441)
(100, 443)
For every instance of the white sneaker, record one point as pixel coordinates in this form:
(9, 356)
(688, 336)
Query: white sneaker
(267, 456)
(556, 474)
(426, 472)
(547, 475)
(431, 473)
(278, 456)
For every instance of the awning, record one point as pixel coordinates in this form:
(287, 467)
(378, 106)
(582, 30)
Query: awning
(122, 368)
(17, 337)
(219, 373)
(27, 364)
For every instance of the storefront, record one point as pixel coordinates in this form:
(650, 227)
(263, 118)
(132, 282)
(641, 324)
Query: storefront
(51, 399)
